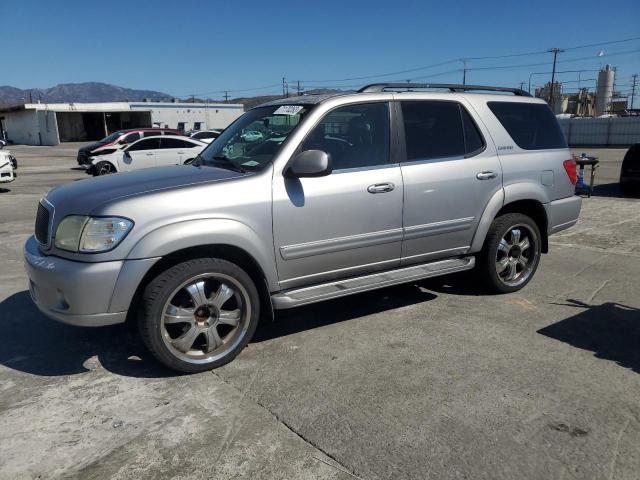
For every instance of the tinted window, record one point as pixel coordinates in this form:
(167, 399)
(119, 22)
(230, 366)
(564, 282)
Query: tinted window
(531, 125)
(147, 144)
(174, 143)
(152, 133)
(472, 137)
(354, 135)
(432, 129)
(205, 135)
(132, 137)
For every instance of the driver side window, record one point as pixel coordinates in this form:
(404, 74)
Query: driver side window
(354, 135)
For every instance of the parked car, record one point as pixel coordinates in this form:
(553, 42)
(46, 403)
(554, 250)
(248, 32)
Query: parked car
(206, 136)
(7, 173)
(12, 159)
(148, 152)
(353, 192)
(630, 171)
(118, 140)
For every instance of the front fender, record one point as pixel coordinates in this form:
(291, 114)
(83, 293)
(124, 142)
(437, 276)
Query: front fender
(195, 233)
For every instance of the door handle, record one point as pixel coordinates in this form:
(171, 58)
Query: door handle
(149, 154)
(486, 175)
(381, 187)
(180, 153)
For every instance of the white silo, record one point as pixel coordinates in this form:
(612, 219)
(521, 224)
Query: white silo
(606, 78)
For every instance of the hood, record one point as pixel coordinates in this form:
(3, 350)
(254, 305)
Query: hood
(83, 196)
(93, 146)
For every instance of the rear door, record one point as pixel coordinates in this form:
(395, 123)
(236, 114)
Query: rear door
(450, 172)
(171, 152)
(141, 154)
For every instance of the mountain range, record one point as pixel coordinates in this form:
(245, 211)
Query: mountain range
(77, 92)
(104, 92)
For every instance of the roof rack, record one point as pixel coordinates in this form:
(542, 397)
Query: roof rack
(452, 87)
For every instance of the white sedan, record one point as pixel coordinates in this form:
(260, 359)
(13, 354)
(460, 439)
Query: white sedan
(6, 167)
(148, 152)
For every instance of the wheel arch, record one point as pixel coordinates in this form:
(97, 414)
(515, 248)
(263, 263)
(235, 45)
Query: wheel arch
(529, 207)
(231, 253)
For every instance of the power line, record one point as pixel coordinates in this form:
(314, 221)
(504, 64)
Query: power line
(447, 62)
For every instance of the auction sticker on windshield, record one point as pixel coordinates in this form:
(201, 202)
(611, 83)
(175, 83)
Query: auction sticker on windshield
(288, 110)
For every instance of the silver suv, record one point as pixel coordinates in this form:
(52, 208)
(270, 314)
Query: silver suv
(302, 200)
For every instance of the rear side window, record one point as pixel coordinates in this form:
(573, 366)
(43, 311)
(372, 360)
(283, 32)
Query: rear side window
(473, 140)
(531, 125)
(151, 133)
(174, 143)
(439, 129)
(146, 144)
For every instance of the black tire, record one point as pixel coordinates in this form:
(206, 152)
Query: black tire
(161, 294)
(103, 168)
(490, 260)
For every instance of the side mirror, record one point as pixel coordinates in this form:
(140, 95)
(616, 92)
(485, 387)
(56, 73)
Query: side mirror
(310, 163)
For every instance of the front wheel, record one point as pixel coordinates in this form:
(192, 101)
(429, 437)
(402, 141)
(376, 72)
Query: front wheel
(511, 253)
(199, 314)
(103, 168)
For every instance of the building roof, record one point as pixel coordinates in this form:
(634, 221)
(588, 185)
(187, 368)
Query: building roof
(116, 106)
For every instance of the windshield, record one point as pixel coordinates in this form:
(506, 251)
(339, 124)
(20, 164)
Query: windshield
(110, 138)
(251, 142)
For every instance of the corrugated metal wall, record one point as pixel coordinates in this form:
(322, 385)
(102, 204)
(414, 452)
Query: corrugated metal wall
(616, 131)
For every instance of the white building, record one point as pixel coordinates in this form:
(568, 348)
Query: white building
(52, 123)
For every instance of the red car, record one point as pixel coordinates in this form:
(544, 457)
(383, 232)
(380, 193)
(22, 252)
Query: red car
(117, 140)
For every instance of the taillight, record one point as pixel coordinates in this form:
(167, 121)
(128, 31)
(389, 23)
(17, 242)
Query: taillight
(570, 168)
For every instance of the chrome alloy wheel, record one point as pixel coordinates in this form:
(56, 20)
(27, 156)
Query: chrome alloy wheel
(205, 317)
(517, 255)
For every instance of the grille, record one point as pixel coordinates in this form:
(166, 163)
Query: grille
(42, 224)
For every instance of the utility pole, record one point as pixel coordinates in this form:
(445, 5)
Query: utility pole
(633, 89)
(226, 96)
(298, 87)
(193, 98)
(464, 71)
(283, 83)
(552, 99)
(521, 85)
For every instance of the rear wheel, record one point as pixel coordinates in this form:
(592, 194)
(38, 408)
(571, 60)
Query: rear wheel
(511, 253)
(103, 168)
(199, 314)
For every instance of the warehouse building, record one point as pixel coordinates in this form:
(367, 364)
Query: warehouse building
(53, 123)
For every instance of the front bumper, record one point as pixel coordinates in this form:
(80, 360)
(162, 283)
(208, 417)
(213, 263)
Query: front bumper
(563, 213)
(78, 293)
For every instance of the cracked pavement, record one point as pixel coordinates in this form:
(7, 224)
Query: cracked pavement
(425, 380)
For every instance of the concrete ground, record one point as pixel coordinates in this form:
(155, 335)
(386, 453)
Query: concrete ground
(427, 380)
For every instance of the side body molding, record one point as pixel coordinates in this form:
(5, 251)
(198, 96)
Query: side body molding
(211, 231)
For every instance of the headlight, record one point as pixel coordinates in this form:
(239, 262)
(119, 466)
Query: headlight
(78, 233)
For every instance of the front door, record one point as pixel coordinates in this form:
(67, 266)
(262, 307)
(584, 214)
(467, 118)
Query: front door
(348, 222)
(450, 173)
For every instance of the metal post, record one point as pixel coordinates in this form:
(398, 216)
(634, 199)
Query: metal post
(298, 87)
(464, 71)
(555, 52)
(283, 82)
(633, 89)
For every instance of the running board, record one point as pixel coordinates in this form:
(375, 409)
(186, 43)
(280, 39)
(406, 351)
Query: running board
(341, 288)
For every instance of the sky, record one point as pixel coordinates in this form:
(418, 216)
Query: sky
(185, 47)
